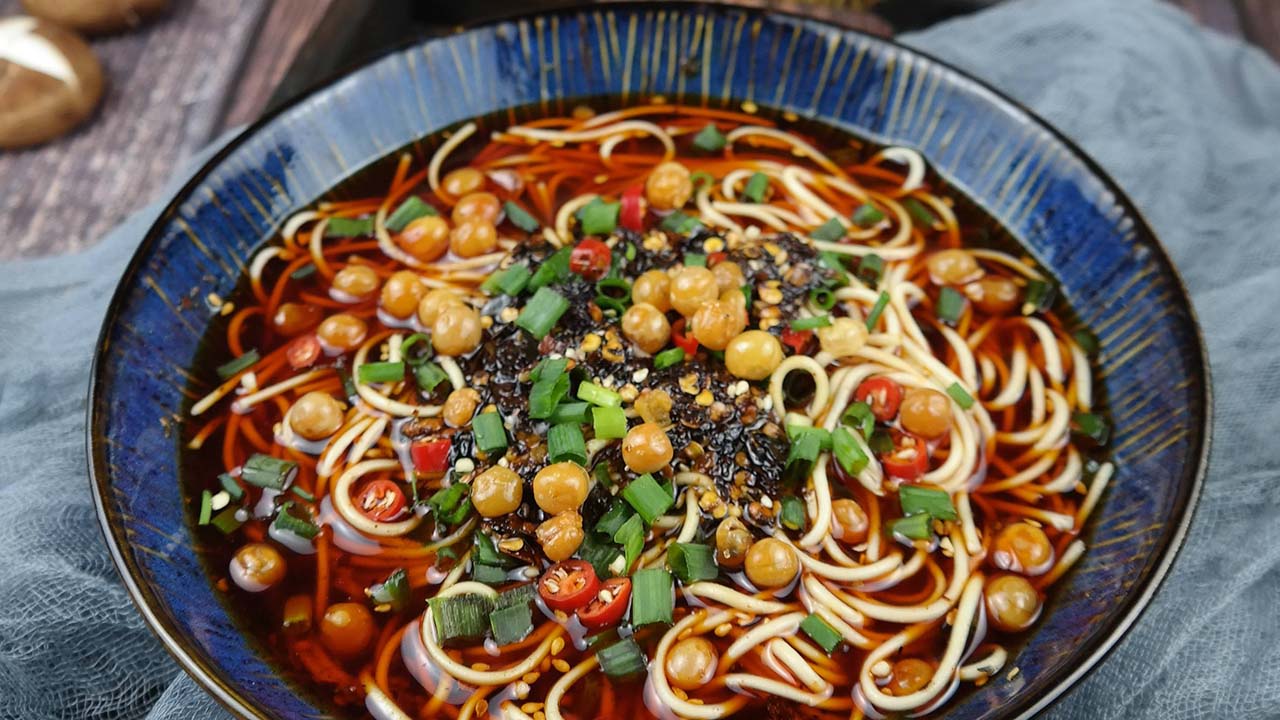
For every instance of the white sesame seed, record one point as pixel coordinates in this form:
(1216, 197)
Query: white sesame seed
(219, 501)
(640, 375)
(464, 465)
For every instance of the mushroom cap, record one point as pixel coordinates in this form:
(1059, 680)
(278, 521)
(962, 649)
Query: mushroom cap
(96, 17)
(50, 81)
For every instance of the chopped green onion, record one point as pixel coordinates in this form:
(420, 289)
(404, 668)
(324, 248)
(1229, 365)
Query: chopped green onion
(487, 553)
(876, 310)
(709, 139)
(542, 312)
(235, 365)
(630, 535)
(565, 442)
(571, 412)
(913, 527)
(848, 452)
(286, 521)
(859, 417)
(1087, 341)
(811, 323)
(381, 372)
(548, 369)
(609, 423)
(520, 217)
(546, 395)
(428, 375)
(695, 260)
(414, 342)
(508, 282)
(667, 358)
(491, 436)
(866, 215)
(392, 592)
(206, 508)
(552, 270)
(756, 187)
(348, 385)
(835, 263)
(870, 268)
(958, 393)
(451, 504)
(652, 597)
(678, 222)
(226, 521)
(613, 294)
(598, 217)
(613, 518)
(460, 619)
(600, 553)
(921, 214)
(1039, 297)
(511, 624)
(746, 293)
(692, 562)
(303, 272)
(931, 501)
(821, 632)
(231, 486)
(622, 659)
(1091, 425)
(701, 179)
(348, 227)
(880, 442)
(268, 472)
(830, 231)
(488, 574)
(648, 497)
(518, 595)
(302, 494)
(792, 515)
(806, 443)
(597, 395)
(601, 471)
(950, 306)
(823, 298)
(411, 209)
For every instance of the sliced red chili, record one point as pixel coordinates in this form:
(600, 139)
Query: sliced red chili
(431, 456)
(568, 585)
(716, 258)
(590, 259)
(909, 459)
(796, 339)
(882, 394)
(600, 613)
(303, 352)
(631, 216)
(381, 501)
(682, 341)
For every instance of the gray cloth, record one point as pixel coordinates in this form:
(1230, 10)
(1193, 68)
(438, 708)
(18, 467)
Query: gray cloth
(1186, 120)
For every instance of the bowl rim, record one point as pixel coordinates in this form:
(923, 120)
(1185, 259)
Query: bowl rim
(206, 673)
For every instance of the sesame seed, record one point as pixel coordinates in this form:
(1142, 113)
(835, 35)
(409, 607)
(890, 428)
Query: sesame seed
(560, 665)
(640, 375)
(464, 466)
(881, 669)
(557, 645)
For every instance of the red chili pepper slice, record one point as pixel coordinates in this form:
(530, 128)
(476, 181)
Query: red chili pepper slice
(431, 456)
(590, 259)
(381, 501)
(909, 459)
(682, 341)
(568, 585)
(303, 352)
(631, 216)
(716, 258)
(796, 339)
(598, 614)
(882, 394)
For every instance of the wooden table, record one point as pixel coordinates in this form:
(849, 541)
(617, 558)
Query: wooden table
(213, 64)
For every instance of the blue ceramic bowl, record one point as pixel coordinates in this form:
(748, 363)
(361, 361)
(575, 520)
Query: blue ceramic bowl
(1070, 215)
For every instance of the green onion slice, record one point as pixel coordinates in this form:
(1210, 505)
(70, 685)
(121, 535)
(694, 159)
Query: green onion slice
(546, 394)
(1087, 341)
(806, 443)
(667, 358)
(913, 527)
(511, 624)
(919, 213)
(349, 227)
(411, 209)
(509, 281)
(612, 520)
(392, 592)
(866, 215)
(235, 365)
(630, 535)
(420, 345)
(678, 222)
(811, 323)
(830, 231)
(303, 272)
(231, 486)
(848, 452)
(565, 442)
(873, 317)
(1091, 425)
(692, 562)
(622, 659)
(931, 501)
(709, 139)
(206, 508)
(960, 395)
(552, 270)
(542, 312)
(1039, 296)
(859, 416)
(226, 521)
(870, 269)
(597, 395)
(756, 187)
(598, 217)
(652, 597)
(792, 515)
(286, 521)
(649, 498)
(609, 423)
(571, 412)
(381, 372)
(491, 436)
(520, 217)
(950, 306)
(821, 633)
(268, 472)
(428, 376)
(460, 619)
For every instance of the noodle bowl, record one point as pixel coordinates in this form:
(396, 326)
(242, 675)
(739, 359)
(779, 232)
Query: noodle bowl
(663, 410)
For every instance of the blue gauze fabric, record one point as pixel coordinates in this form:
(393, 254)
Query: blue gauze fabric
(1188, 122)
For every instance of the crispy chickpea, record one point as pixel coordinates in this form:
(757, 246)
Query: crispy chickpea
(843, 337)
(851, 523)
(733, 541)
(496, 491)
(1023, 548)
(457, 330)
(925, 412)
(460, 407)
(771, 563)
(753, 355)
(426, 238)
(646, 326)
(994, 295)
(355, 282)
(716, 324)
(316, 415)
(473, 238)
(343, 332)
(347, 629)
(728, 276)
(295, 318)
(669, 186)
(654, 406)
(909, 675)
(401, 294)
(462, 181)
(691, 663)
(1012, 603)
(477, 206)
(560, 487)
(646, 448)
(257, 566)
(561, 535)
(953, 267)
(691, 288)
(433, 302)
(653, 287)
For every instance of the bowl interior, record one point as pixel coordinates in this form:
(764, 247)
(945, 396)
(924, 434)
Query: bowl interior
(1066, 213)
